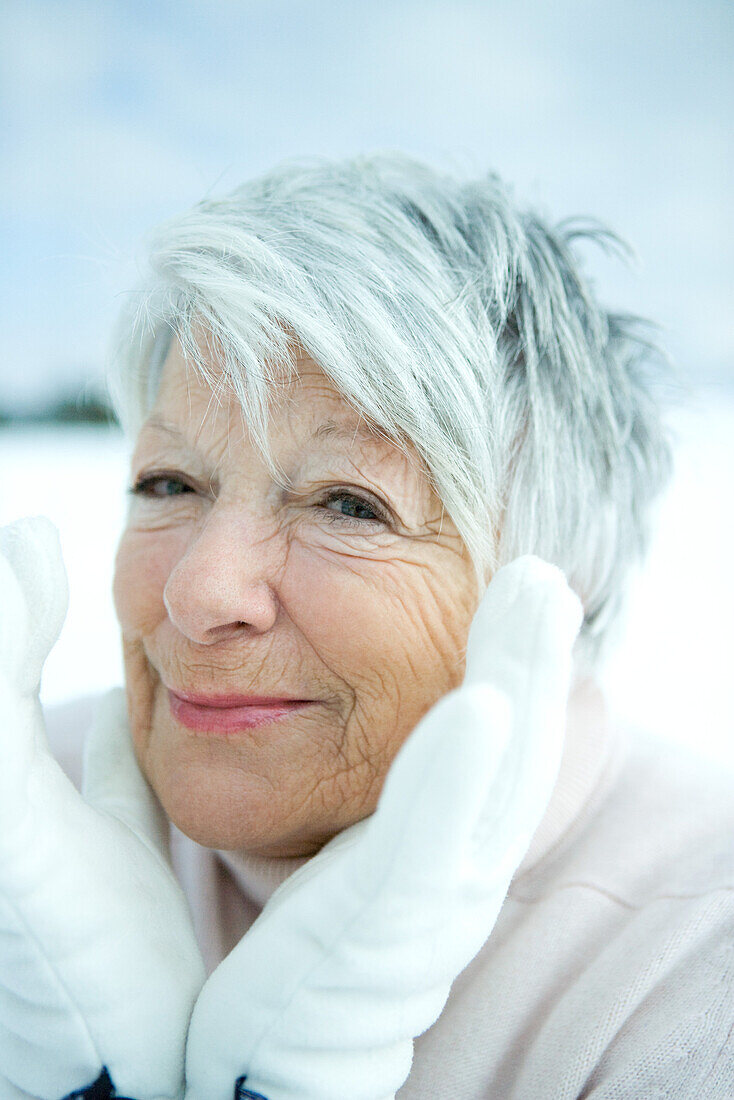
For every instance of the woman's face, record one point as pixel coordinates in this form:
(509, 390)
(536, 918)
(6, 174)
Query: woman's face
(343, 601)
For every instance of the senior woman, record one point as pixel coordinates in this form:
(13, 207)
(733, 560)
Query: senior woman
(417, 858)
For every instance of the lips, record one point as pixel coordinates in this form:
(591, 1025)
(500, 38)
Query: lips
(230, 713)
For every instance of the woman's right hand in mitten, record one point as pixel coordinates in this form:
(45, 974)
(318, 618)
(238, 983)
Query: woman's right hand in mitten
(99, 967)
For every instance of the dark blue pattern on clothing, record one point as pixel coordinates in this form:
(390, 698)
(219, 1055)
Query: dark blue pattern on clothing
(241, 1093)
(102, 1089)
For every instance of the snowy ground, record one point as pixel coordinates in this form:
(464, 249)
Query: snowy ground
(672, 673)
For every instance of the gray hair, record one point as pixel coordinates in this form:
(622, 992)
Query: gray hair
(452, 321)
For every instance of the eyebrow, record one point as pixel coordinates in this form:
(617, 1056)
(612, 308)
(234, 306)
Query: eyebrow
(339, 431)
(163, 426)
(349, 430)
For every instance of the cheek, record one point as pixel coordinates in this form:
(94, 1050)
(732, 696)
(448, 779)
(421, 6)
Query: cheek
(377, 625)
(142, 567)
(340, 610)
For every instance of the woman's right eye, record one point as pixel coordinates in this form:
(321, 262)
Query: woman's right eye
(160, 487)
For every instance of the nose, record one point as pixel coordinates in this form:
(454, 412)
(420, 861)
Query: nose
(222, 586)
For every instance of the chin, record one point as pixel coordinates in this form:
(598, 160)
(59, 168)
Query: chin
(216, 813)
(215, 834)
(250, 822)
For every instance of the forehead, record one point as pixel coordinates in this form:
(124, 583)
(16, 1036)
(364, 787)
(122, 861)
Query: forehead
(303, 407)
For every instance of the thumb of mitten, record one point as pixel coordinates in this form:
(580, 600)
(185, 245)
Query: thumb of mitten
(34, 597)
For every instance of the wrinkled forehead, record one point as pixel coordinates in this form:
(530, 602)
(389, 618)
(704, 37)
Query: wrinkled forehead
(310, 397)
(304, 406)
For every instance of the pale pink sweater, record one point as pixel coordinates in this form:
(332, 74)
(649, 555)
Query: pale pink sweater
(610, 971)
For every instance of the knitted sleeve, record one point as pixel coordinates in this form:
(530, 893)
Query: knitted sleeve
(678, 1038)
(652, 1016)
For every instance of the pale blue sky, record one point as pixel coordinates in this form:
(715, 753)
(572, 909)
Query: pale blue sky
(115, 115)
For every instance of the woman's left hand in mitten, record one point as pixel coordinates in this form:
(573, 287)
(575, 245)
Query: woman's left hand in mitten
(99, 966)
(355, 954)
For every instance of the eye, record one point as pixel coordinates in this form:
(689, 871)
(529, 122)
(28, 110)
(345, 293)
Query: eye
(160, 487)
(346, 507)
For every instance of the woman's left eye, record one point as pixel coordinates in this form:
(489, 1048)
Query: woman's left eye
(350, 508)
(160, 486)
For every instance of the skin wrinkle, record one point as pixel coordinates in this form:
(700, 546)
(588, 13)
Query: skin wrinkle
(241, 586)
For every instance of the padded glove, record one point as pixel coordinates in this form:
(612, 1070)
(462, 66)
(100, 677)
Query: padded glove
(356, 952)
(99, 966)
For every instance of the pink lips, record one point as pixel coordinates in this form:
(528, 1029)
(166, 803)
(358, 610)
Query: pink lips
(229, 713)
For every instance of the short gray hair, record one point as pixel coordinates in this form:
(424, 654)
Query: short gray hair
(451, 320)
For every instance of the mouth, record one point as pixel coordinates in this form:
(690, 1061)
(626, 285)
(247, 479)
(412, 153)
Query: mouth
(230, 713)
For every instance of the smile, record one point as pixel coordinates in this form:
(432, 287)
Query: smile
(229, 713)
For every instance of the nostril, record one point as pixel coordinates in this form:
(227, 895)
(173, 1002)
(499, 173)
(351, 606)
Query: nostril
(219, 587)
(225, 630)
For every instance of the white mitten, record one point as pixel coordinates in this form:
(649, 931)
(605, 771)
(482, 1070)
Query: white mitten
(98, 962)
(355, 954)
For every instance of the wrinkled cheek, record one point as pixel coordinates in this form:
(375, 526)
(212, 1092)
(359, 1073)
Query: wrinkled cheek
(142, 568)
(396, 643)
(337, 611)
(140, 687)
(141, 572)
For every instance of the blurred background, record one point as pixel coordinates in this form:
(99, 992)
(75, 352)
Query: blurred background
(116, 115)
